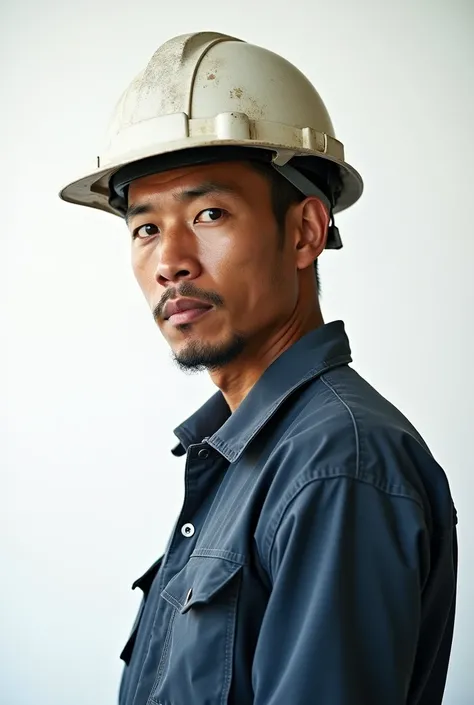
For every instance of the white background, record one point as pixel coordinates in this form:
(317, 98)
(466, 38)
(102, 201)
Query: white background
(89, 489)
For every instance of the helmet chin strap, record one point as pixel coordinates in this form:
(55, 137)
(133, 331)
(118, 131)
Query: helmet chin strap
(306, 187)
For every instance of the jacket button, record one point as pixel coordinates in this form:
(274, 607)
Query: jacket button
(188, 596)
(187, 530)
(203, 453)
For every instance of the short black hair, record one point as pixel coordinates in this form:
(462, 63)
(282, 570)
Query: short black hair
(283, 195)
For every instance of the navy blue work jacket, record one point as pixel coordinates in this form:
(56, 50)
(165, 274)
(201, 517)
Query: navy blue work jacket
(314, 559)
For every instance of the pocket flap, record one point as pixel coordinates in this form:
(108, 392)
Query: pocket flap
(201, 579)
(145, 581)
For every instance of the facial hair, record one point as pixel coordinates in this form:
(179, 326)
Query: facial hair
(198, 356)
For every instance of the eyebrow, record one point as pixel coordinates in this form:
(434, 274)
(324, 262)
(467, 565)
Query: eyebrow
(204, 189)
(138, 209)
(183, 196)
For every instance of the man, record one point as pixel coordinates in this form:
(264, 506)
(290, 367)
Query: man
(314, 559)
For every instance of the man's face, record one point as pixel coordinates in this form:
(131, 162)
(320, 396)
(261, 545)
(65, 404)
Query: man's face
(208, 257)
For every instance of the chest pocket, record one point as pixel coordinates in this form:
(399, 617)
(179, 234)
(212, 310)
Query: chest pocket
(197, 657)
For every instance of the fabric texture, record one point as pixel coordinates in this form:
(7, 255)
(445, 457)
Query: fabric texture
(321, 562)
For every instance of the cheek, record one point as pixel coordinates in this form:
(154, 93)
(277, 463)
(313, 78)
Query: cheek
(247, 271)
(242, 251)
(216, 254)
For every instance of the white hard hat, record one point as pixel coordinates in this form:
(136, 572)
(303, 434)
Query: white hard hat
(209, 97)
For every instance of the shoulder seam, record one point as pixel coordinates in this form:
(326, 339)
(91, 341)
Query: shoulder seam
(400, 494)
(354, 423)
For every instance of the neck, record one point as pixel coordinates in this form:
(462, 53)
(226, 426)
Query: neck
(237, 379)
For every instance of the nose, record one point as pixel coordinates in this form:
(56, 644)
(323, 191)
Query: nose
(177, 258)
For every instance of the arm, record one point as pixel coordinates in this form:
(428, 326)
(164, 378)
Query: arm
(347, 564)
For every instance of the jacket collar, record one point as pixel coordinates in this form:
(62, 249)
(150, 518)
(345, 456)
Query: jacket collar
(317, 352)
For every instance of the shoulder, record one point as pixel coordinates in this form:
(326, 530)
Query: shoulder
(339, 422)
(339, 427)
(346, 451)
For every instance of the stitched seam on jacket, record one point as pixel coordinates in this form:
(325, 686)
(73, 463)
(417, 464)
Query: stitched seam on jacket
(221, 553)
(161, 665)
(395, 491)
(229, 643)
(317, 371)
(354, 423)
(172, 599)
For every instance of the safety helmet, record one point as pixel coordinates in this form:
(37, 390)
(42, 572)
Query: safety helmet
(209, 97)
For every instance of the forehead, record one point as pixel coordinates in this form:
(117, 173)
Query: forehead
(237, 177)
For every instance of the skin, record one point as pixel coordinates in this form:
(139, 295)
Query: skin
(265, 290)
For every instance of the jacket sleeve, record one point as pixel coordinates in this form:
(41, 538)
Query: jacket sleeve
(347, 563)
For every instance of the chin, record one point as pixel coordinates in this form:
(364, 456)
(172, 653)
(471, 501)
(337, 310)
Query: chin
(200, 354)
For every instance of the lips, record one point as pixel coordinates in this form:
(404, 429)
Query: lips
(184, 310)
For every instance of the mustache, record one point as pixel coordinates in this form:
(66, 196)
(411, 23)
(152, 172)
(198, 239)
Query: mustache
(190, 291)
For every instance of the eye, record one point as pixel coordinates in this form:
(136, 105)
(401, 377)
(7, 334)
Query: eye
(145, 231)
(209, 215)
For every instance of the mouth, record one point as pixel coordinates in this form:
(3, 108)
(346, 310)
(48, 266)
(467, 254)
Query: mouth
(189, 316)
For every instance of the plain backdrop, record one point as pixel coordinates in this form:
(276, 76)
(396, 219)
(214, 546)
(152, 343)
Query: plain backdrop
(89, 489)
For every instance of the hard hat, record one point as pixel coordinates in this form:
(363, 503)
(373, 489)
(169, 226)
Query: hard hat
(210, 97)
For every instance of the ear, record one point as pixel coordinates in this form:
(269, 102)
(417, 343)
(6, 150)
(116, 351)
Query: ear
(312, 231)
